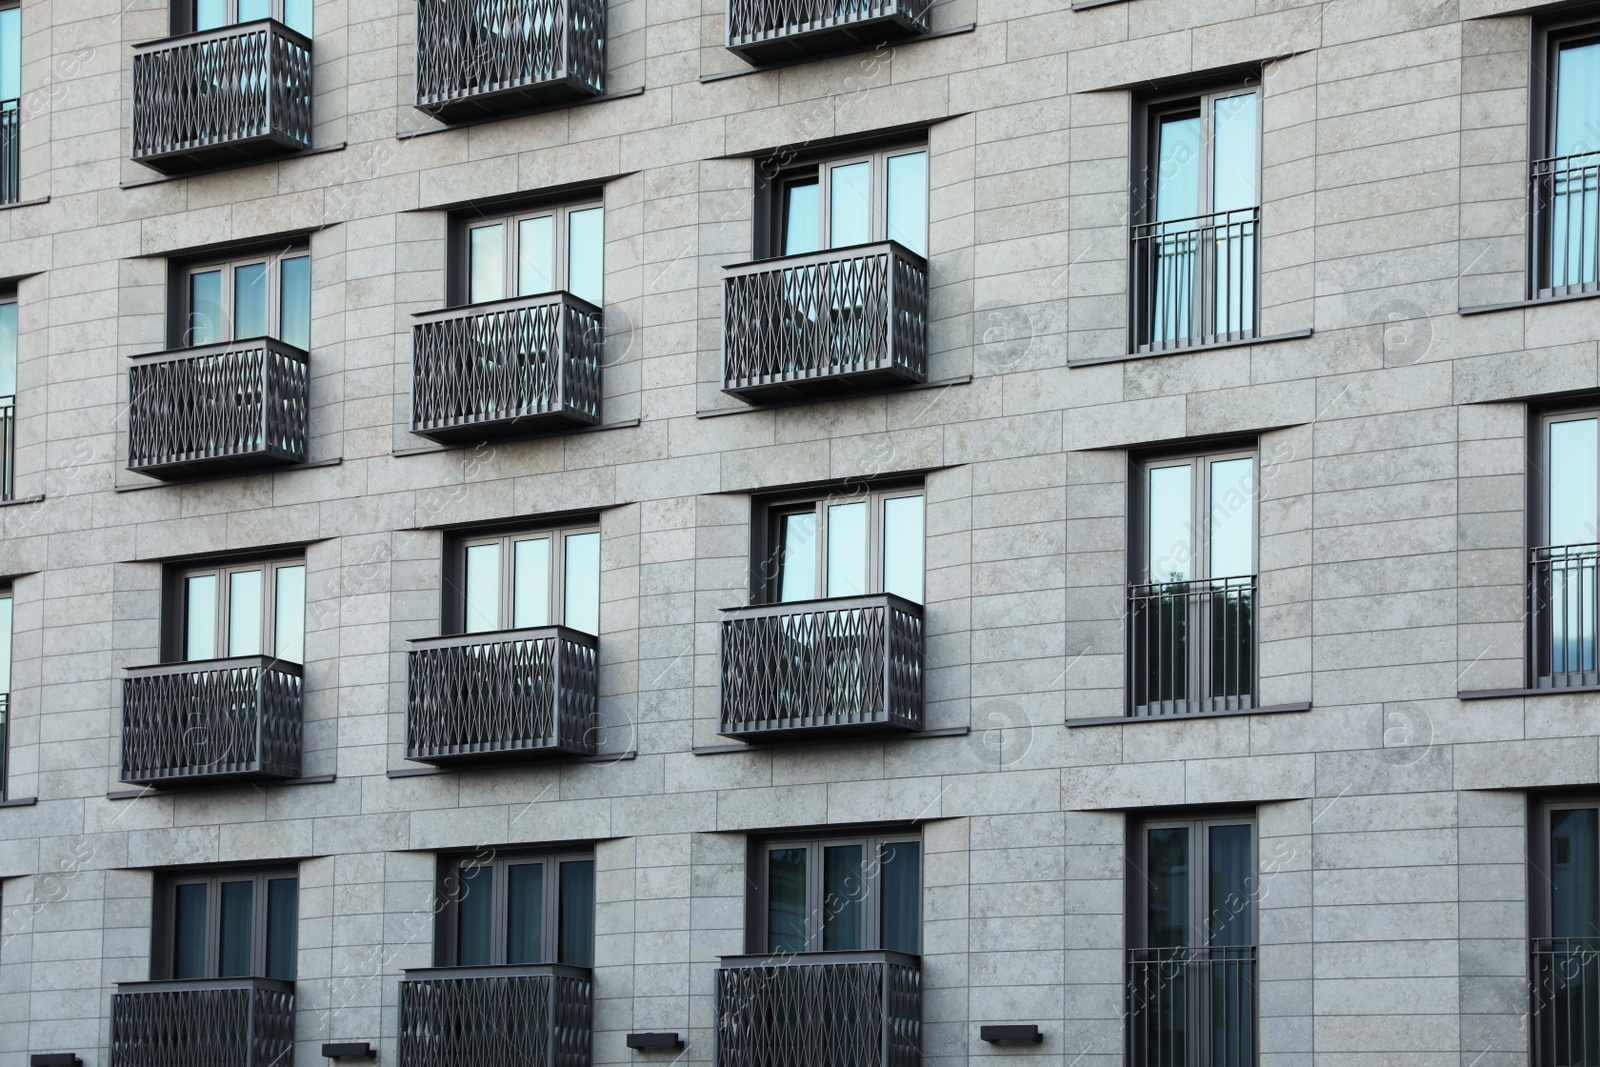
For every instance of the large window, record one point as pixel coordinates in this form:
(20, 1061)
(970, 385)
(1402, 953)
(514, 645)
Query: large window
(196, 15)
(228, 924)
(1191, 605)
(839, 894)
(1192, 943)
(851, 544)
(534, 252)
(853, 200)
(5, 691)
(1563, 560)
(268, 295)
(1565, 907)
(248, 609)
(530, 579)
(1194, 241)
(1566, 181)
(10, 100)
(516, 908)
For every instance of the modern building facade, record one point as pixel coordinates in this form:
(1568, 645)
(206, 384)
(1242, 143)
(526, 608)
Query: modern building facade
(800, 534)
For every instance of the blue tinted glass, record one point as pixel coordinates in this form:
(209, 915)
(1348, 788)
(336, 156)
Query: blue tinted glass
(297, 15)
(797, 563)
(1231, 920)
(577, 913)
(189, 931)
(294, 314)
(801, 224)
(583, 582)
(10, 53)
(847, 549)
(908, 201)
(474, 916)
(1233, 519)
(283, 918)
(5, 646)
(234, 951)
(903, 547)
(1170, 522)
(1178, 168)
(850, 205)
(786, 900)
(536, 255)
(250, 300)
(1577, 99)
(1573, 482)
(210, 14)
(843, 894)
(901, 891)
(486, 268)
(206, 320)
(250, 10)
(1574, 894)
(1233, 147)
(525, 913)
(586, 255)
(289, 615)
(8, 348)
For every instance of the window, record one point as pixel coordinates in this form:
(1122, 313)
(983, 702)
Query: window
(1194, 251)
(1566, 182)
(1565, 558)
(1191, 607)
(8, 396)
(228, 924)
(256, 296)
(839, 894)
(10, 102)
(535, 252)
(520, 581)
(255, 609)
(5, 692)
(856, 200)
(1564, 885)
(197, 15)
(516, 909)
(847, 545)
(1192, 943)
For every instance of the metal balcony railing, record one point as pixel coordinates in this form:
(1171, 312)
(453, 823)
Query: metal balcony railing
(218, 1022)
(10, 151)
(825, 322)
(1192, 1007)
(219, 408)
(1195, 280)
(1192, 646)
(1564, 980)
(211, 720)
(236, 93)
(8, 447)
(1564, 194)
(839, 1009)
(821, 667)
(481, 57)
(764, 31)
(5, 745)
(510, 367)
(1565, 601)
(539, 1015)
(497, 696)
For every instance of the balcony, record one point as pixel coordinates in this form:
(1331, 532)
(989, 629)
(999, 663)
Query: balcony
(1564, 192)
(1565, 601)
(503, 696)
(1194, 280)
(221, 720)
(220, 1022)
(1565, 979)
(1192, 1006)
(1192, 647)
(8, 447)
(507, 368)
(827, 322)
(489, 57)
(538, 1015)
(229, 95)
(768, 31)
(10, 151)
(842, 1009)
(216, 409)
(820, 668)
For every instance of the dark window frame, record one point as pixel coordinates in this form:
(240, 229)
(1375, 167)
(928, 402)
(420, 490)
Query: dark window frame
(182, 18)
(454, 609)
(559, 211)
(1541, 554)
(164, 928)
(175, 600)
(460, 221)
(1198, 824)
(180, 306)
(776, 174)
(448, 896)
(1200, 461)
(1549, 37)
(767, 556)
(872, 840)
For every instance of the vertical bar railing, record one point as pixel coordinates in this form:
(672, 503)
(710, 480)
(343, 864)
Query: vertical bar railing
(1192, 1007)
(10, 151)
(5, 746)
(1192, 646)
(1565, 1001)
(8, 446)
(1564, 600)
(1564, 195)
(1195, 280)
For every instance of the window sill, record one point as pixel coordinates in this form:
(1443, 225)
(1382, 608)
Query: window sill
(37, 498)
(224, 168)
(1129, 720)
(19, 802)
(511, 763)
(834, 398)
(768, 746)
(242, 473)
(1502, 694)
(1484, 309)
(1085, 5)
(1293, 335)
(407, 135)
(954, 31)
(135, 794)
(25, 203)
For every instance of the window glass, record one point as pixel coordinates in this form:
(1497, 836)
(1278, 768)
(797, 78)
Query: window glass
(536, 255)
(583, 582)
(234, 950)
(1577, 104)
(206, 323)
(786, 900)
(8, 348)
(1233, 524)
(250, 10)
(487, 267)
(244, 613)
(798, 557)
(525, 913)
(297, 15)
(1231, 918)
(902, 896)
(483, 588)
(200, 617)
(10, 53)
(1177, 167)
(294, 313)
(1574, 480)
(283, 918)
(5, 645)
(1167, 887)
(908, 201)
(802, 218)
(903, 547)
(289, 640)
(532, 596)
(1233, 146)
(189, 931)
(576, 919)
(1574, 853)
(586, 255)
(210, 14)
(475, 917)
(849, 205)
(842, 892)
(250, 300)
(847, 549)
(1171, 511)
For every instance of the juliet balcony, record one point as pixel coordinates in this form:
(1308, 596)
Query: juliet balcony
(842, 1009)
(488, 57)
(820, 668)
(1192, 647)
(10, 151)
(538, 1015)
(501, 696)
(769, 31)
(218, 408)
(219, 1022)
(223, 720)
(506, 368)
(839, 321)
(228, 95)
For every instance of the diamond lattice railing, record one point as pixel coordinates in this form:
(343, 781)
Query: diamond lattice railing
(765, 30)
(485, 56)
(528, 1016)
(839, 1009)
(226, 1022)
